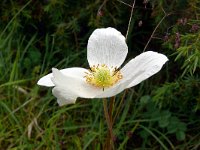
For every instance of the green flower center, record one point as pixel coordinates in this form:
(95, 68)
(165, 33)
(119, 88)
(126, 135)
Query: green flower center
(102, 76)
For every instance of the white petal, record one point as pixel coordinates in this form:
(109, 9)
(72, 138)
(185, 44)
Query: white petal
(68, 88)
(106, 46)
(147, 63)
(137, 70)
(46, 80)
(63, 96)
(75, 71)
(112, 91)
(119, 87)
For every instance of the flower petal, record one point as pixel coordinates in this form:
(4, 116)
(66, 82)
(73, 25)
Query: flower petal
(137, 70)
(75, 71)
(106, 46)
(63, 96)
(119, 87)
(68, 88)
(148, 63)
(46, 80)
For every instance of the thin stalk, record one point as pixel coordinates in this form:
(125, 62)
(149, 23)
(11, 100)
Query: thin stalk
(156, 29)
(108, 121)
(112, 102)
(104, 2)
(130, 19)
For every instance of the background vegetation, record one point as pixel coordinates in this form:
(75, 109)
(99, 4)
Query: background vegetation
(163, 112)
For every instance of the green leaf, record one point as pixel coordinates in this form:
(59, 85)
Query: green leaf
(144, 100)
(164, 119)
(163, 122)
(182, 126)
(180, 135)
(172, 127)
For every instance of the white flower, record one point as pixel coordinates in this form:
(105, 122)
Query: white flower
(106, 51)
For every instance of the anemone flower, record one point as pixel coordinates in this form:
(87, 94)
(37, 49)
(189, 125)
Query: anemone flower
(106, 51)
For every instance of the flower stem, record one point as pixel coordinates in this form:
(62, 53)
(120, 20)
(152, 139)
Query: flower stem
(112, 102)
(108, 117)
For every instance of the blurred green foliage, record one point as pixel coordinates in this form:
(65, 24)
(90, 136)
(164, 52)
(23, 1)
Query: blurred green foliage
(160, 113)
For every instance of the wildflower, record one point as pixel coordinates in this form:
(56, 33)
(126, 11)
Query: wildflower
(177, 40)
(195, 28)
(106, 51)
(182, 21)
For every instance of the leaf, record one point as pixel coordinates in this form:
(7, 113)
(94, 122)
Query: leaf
(180, 135)
(163, 122)
(164, 119)
(172, 127)
(144, 134)
(144, 100)
(182, 126)
(195, 63)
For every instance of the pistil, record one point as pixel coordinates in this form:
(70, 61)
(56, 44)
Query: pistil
(101, 76)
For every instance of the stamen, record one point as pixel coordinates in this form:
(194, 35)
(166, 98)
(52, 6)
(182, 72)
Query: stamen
(103, 77)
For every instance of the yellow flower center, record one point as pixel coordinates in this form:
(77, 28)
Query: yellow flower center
(101, 76)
